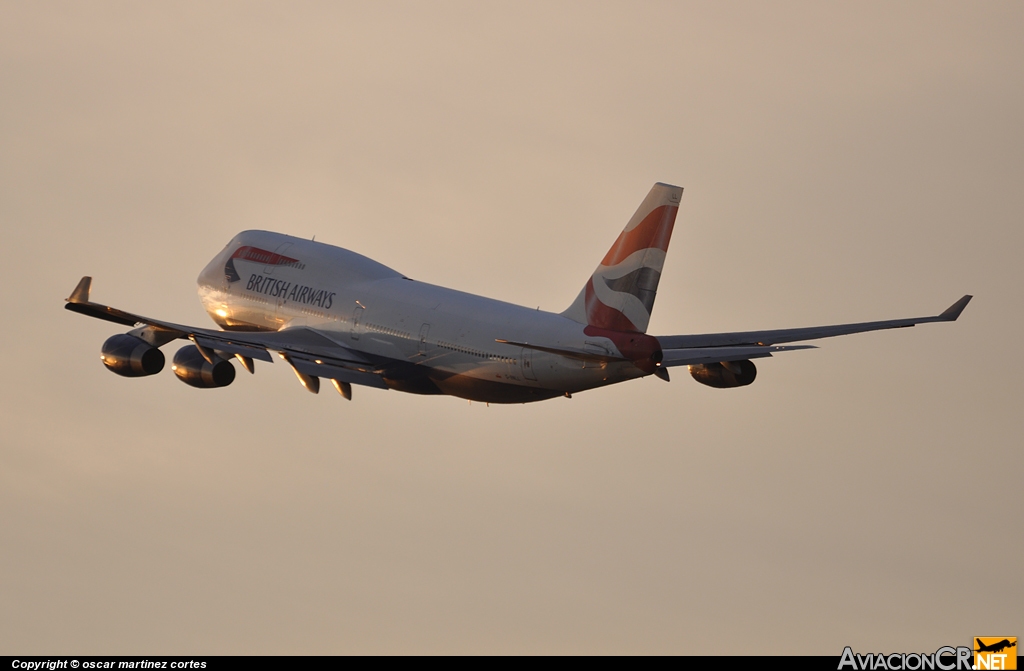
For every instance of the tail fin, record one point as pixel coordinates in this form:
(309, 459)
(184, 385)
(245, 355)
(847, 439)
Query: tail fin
(620, 293)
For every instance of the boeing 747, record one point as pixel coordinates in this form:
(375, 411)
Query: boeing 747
(332, 314)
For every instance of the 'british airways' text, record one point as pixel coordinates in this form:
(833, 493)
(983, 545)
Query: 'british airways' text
(268, 286)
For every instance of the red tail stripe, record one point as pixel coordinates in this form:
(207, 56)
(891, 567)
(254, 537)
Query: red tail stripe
(602, 316)
(654, 232)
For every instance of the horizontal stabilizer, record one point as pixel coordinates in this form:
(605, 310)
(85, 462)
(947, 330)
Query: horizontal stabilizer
(571, 353)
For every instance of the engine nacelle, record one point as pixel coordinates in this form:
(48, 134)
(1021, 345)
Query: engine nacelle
(130, 356)
(192, 369)
(725, 376)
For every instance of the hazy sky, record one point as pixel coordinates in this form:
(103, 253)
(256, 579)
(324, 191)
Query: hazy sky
(842, 162)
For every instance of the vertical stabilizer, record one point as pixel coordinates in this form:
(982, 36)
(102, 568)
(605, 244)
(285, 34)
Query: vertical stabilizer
(620, 293)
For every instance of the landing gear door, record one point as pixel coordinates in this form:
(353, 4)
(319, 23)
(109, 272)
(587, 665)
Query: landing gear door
(527, 363)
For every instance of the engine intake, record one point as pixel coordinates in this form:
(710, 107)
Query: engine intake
(130, 356)
(725, 375)
(192, 369)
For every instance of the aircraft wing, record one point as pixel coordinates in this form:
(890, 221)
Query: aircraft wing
(694, 355)
(762, 340)
(308, 350)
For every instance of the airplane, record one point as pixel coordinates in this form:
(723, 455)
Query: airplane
(333, 314)
(998, 646)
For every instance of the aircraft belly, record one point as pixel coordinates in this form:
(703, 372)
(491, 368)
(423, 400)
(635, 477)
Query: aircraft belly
(491, 391)
(493, 383)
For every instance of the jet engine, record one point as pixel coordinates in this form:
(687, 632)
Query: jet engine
(193, 369)
(725, 375)
(130, 356)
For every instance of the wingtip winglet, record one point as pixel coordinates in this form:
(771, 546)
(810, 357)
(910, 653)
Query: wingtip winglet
(81, 292)
(953, 311)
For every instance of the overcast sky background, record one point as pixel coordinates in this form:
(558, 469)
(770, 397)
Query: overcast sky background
(842, 162)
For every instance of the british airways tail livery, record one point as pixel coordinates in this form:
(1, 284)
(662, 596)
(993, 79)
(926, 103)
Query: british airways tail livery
(333, 314)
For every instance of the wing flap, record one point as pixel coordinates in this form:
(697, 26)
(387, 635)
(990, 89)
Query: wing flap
(302, 339)
(234, 348)
(333, 371)
(695, 355)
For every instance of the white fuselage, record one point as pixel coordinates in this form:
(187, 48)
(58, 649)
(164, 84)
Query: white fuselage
(430, 339)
